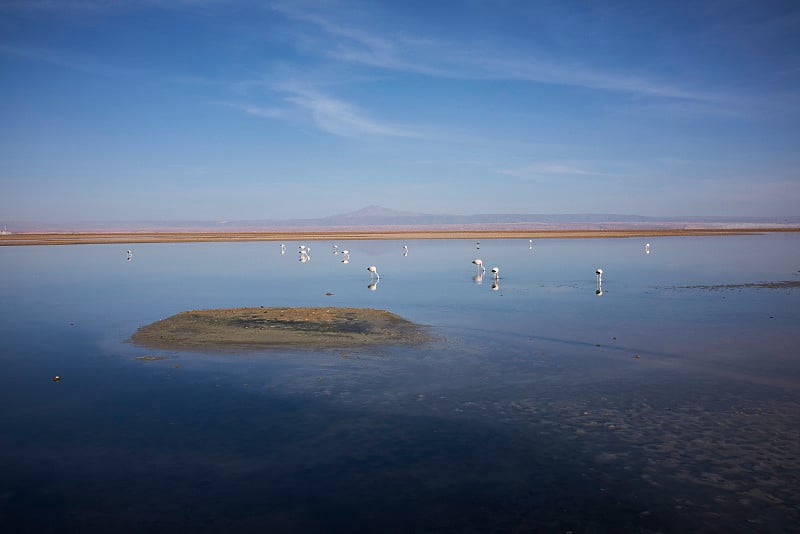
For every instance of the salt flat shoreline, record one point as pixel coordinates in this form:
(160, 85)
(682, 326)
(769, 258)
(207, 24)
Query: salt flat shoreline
(90, 238)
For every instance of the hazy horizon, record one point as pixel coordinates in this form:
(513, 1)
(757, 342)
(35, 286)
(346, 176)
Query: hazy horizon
(378, 216)
(139, 110)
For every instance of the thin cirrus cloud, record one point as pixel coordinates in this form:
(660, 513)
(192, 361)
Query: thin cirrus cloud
(330, 115)
(550, 170)
(437, 58)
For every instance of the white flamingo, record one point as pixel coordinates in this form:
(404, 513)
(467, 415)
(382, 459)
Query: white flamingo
(496, 272)
(283, 248)
(599, 290)
(335, 249)
(479, 264)
(346, 254)
(373, 271)
(405, 250)
(647, 248)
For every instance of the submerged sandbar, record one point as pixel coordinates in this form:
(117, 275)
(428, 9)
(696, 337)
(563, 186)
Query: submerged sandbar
(279, 327)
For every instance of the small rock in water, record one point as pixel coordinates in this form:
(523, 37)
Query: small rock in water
(56, 378)
(637, 356)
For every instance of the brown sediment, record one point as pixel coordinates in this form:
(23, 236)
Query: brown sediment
(83, 238)
(279, 327)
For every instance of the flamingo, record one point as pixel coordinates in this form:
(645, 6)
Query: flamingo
(496, 272)
(283, 248)
(599, 290)
(477, 245)
(647, 248)
(405, 250)
(346, 254)
(130, 255)
(373, 271)
(335, 249)
(479, 264)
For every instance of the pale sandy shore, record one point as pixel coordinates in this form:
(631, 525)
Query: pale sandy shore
(80, 238)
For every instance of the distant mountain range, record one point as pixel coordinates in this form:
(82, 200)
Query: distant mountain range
(371, 217)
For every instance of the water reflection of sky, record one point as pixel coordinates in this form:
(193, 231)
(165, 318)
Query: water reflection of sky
(536, 365)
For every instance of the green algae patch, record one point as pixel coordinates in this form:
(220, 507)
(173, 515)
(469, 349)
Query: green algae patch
(279, 327)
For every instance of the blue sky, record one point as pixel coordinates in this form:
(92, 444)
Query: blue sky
(245, 109)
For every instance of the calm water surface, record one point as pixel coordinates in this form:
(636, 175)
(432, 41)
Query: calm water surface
(669, 403)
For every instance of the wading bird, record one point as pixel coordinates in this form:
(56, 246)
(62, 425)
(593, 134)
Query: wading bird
(599, 290)
(373, 271)
(496, 272)
(647, 248)
(346, 258)
(479, 264)
(405, 250)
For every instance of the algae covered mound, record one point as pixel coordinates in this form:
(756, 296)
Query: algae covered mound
(265, 327)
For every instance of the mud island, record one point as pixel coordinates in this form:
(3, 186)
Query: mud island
(279, 327)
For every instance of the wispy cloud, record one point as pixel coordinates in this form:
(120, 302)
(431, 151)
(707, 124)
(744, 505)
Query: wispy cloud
(93, 5)
(342, 118)
(329, 114)
(355, 45)
(61, 59)
(265, 113)
(78, 62)
(551, 170)
(434, 57)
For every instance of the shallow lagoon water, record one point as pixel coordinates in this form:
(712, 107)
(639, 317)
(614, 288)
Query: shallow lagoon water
(530, 412)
